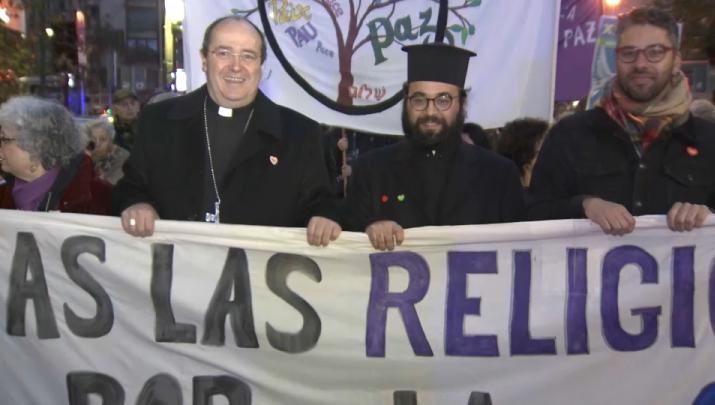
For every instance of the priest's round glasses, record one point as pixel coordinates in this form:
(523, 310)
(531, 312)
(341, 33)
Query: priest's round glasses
(420, 102)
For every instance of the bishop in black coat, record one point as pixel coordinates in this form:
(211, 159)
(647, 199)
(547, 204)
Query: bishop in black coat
(276, 177)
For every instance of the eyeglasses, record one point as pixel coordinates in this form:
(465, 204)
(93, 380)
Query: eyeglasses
(420, 102)
(4, 140)
(224, 55)
(653, 53)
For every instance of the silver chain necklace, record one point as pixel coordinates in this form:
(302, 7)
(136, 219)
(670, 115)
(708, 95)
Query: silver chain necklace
(214, 217)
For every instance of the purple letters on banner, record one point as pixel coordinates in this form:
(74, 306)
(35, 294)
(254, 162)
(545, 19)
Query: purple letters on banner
(615, 335)
(578, 31)
(682, 329)
(576, 326)
(458, 305)
(521, 340)
(381, 299)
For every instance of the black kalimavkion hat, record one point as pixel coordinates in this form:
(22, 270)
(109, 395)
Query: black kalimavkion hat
(437, 62)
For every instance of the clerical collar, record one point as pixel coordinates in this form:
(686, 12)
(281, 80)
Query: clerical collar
(227, 112)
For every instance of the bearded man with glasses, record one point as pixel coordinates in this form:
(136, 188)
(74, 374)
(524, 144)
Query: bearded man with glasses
(432, 177)
(640, 151)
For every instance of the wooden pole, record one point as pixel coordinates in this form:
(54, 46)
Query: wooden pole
(345, 162)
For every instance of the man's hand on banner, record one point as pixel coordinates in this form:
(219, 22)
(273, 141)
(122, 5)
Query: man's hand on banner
(139, 219)
(384, 235)
(614, 219)
(686, 216)
(321, 231)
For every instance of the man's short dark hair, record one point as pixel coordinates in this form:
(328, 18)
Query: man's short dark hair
(210, 29)
(649, 16)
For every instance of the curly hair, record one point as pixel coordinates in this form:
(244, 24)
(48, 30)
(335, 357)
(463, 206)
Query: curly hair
(46, 130)
(518, 140)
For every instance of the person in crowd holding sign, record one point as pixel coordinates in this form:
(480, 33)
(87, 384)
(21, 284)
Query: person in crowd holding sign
(42, 156)
(639, 151)
(225, 152)
(432, 177)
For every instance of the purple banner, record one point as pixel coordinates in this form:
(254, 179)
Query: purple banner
(578, 31)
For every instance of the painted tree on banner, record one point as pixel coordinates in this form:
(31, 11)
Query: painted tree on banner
(379, 31)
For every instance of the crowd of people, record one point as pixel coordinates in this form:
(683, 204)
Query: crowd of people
(225, 153)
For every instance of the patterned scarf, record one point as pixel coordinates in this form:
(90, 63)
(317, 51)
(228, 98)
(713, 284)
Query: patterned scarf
(645, 121)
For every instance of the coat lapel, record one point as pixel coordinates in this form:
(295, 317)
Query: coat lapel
(190, 142)
(262, 136)
(195, 174)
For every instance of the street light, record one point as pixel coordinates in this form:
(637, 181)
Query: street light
(3, 15)
(611, 5)
(174, 11)
(50, 32)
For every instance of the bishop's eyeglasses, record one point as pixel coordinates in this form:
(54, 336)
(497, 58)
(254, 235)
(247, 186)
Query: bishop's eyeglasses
(226, 55)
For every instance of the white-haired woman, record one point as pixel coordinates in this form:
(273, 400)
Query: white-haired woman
(108, 157)
(42, 156)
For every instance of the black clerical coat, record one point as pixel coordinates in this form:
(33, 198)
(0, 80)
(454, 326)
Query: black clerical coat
(479, 187)
(277, 177)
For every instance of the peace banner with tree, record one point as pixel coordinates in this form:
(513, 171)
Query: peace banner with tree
(340, 61)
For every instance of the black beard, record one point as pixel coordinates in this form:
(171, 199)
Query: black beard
(416, 136)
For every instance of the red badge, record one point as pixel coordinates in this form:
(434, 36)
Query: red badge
(692, 151)
(384, 199)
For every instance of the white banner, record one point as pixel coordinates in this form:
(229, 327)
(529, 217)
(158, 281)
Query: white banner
(539, 313)
(340, 61)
